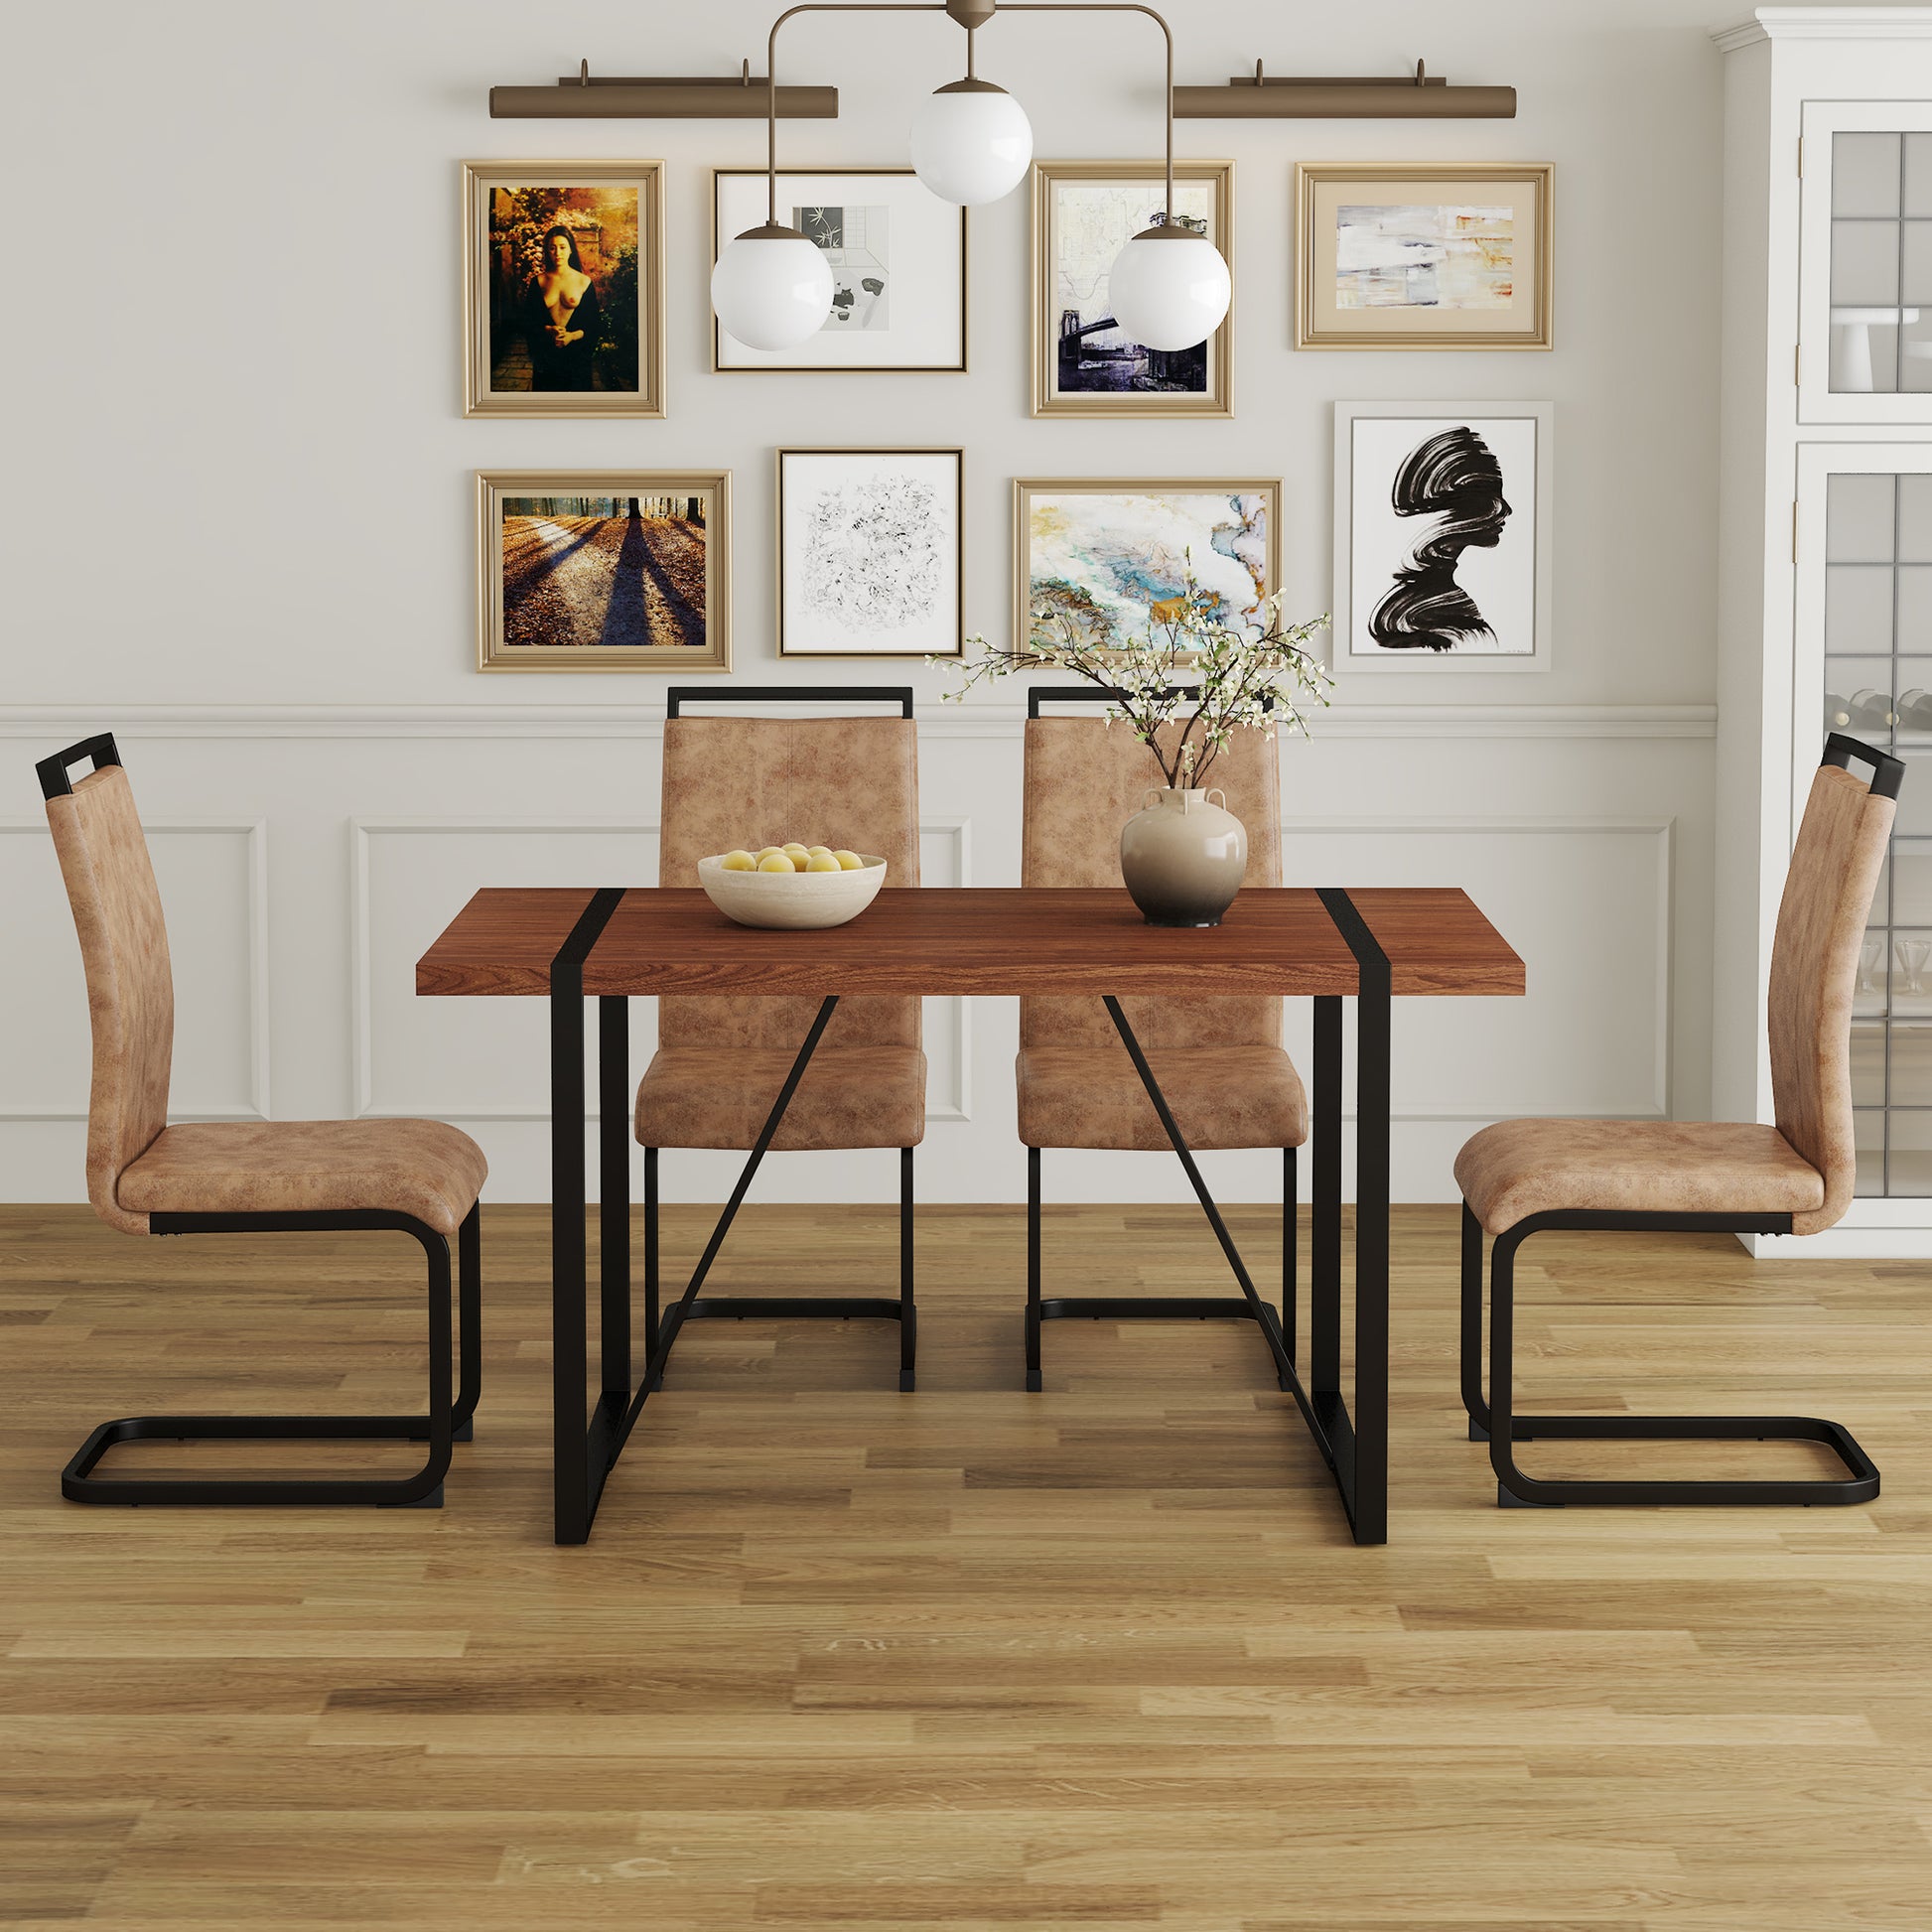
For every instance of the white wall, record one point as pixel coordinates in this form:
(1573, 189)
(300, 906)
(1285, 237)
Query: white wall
(238, 532)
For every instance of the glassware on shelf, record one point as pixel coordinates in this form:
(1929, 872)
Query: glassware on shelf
(1871, 963)
(1872, 709)
(1913, 956)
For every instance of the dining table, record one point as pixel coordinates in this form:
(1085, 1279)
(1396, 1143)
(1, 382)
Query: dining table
(569, 945)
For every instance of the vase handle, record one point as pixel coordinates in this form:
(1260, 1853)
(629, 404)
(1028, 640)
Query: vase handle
(1151, 797)
(1215, 792)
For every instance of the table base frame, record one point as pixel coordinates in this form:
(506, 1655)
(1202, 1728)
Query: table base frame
(1353, 1443)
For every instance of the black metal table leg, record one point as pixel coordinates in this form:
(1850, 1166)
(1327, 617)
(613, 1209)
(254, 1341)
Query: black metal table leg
(1324, 1243)
(613, 1193)
(577, 1483)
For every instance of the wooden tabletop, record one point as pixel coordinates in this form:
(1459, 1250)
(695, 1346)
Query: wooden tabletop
(973, 940)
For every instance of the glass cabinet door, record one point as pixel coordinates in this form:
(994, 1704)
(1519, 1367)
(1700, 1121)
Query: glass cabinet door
(1865, 623)
(1866, 263)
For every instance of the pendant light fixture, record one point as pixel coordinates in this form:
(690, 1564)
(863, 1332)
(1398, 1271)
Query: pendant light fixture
(971, 143)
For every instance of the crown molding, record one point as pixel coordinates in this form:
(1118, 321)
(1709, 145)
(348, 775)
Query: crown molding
(1825, 24)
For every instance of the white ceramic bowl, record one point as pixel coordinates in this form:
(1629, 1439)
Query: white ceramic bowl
(792, 901)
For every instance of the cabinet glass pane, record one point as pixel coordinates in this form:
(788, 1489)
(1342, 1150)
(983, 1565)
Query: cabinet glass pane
(1881, 263)
(1879, 687)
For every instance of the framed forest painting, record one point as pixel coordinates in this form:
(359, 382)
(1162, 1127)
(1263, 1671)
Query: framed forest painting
(606, 570)
(563, 288)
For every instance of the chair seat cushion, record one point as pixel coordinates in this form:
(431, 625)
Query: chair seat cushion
(1220, 1096)
(1520, 1167)
(307, 1167)
(719, 1096)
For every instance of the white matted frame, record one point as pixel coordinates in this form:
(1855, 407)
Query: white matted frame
(1496, 561)
(896, 250)
(872, 553)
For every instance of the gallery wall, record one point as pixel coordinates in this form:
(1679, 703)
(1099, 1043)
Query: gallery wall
(239, 530)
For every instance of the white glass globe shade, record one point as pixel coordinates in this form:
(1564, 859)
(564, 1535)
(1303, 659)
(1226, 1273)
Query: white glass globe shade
(971, 143)
(1169, 291)
(771, 290)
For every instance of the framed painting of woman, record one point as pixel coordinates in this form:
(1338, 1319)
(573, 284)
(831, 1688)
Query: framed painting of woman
(563, 288)
(1442, 527)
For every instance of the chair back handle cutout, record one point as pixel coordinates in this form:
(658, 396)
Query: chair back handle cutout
(1888, 773)
(53, 772)
(1040, 694)
(680, 694)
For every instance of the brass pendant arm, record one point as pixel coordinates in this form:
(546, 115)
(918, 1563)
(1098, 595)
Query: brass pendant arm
(941, 6)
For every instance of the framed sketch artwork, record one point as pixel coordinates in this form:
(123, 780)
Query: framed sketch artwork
(563, 288)
(1084, 362)
(1105, 555)
(1421, 255)
(1443, 536)
(604, 570)
(870, 553)
(897, 255)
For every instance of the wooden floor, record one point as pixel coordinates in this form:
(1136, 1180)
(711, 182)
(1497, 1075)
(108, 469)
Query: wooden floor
(1101, 1657)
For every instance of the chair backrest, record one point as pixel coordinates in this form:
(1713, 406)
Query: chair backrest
(1084, 780)
(851, 782)
(1821, 916)
(124, 951)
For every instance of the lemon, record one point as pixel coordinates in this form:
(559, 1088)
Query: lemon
(739, 862)
(823, 861)
(766, 851)
(849, 861)
(793, 850)
(776, 862)
(820, 851)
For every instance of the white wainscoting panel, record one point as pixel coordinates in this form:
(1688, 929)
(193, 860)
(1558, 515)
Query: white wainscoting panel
(218, 866)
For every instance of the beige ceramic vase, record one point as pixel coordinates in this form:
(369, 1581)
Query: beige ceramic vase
(1182, 857)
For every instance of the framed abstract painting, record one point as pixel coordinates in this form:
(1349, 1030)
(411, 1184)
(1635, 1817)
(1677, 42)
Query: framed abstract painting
(604, 570)
(1084, 362)
(1421, 255)
(1442, 528)
(563, 288)
(897, 255)
(1105, 555)
(870, 553)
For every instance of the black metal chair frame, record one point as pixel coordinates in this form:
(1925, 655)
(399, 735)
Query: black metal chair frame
(1492, 1418)
(613, 1015)
(1156, 1308)
(444, 1423)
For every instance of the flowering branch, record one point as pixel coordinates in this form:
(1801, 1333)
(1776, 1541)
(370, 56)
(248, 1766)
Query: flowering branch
(1255, 678)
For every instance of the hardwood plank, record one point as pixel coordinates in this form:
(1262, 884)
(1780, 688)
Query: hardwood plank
(1100, 1657)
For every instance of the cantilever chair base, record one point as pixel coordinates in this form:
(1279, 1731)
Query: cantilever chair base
(444, 1423)
(1493, 1421)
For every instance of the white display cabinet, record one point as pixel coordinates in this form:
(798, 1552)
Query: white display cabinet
(1826, 548)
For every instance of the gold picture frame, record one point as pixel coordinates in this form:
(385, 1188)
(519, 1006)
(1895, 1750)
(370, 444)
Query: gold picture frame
(635, 585)
(916, 257)
(1484, 260)
(1051, 395)
(899, 638)
(492, 263)
(1152, 527)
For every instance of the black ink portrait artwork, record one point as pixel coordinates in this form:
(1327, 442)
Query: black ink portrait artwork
(1451, 476)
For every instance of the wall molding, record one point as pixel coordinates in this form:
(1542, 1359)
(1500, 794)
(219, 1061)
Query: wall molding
(259, 993)
(1662, 827)
(622, 721)
(956, 826)
(1824, 24)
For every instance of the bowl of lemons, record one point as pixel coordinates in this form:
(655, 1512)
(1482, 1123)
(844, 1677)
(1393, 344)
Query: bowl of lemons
(792, 887)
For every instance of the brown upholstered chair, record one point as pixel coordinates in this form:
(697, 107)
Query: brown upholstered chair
(1221, 1063)
(1521, 1176)
(722, 1063)
(145, 1176)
